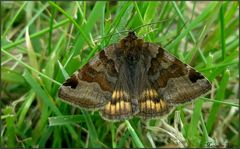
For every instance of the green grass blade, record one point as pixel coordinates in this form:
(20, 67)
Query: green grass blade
(25, 108)
(193, 132)
(135, 137)
(51, 29)
(45, 97)
(11, 76)
(84, 35)
(222, 24)
(92, 131)
(204, 140)
(10, 117)
(205, 13)
(123, 139)
(65, 120)
(219, 96)
(14, 18)
(31, 53)
(91, 128)
(221, 102)
(31, 21)
(183, 19)
(29, 67)
(35, 35)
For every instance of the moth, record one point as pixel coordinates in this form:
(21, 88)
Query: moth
(133, 78)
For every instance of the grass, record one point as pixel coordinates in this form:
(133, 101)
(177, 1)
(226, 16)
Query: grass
(42, 43)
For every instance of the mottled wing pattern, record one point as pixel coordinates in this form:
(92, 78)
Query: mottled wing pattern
(92, 86)
(120, 107)
(120, 89)
(151, 104)
(175, 81)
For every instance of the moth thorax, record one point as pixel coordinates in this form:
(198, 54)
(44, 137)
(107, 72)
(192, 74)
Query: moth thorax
(132, 55)
(131, 43)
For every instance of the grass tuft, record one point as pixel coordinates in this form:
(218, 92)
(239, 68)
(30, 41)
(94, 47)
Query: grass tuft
(43, 43)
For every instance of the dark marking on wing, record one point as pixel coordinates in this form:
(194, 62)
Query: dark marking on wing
(91, 75)
(72, 82)
(194, 76)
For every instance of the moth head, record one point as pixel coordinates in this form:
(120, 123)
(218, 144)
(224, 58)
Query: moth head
(131, 35)
(131, 41)
(131, 46)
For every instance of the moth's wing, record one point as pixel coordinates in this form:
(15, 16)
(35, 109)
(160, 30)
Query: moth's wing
(122, 105)
(92, 86)
(151, 105)
(174, 81)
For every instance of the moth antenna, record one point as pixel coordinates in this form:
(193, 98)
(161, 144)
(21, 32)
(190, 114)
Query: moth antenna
(176, 35)
(121, 32)
(132, 30)
(152, 23)
(138, 27)
(113, 34)
(152, 30)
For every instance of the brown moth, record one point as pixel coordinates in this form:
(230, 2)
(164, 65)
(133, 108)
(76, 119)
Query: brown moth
(133, 77)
